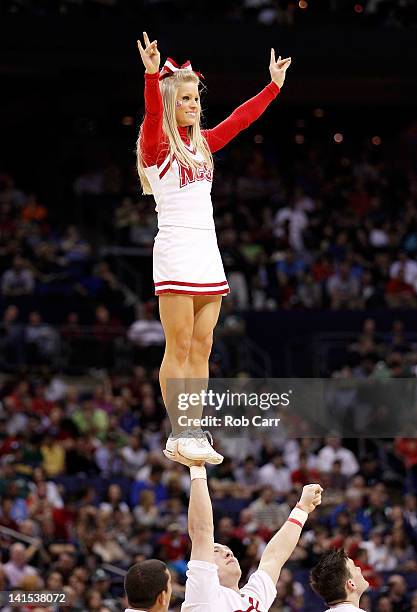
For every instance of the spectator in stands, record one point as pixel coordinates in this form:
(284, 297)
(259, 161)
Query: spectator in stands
(54, 582)
(405, 267)
(146, 513)
(399, 293)
(353, 509)
(91, 420)
(276, 474)
(17, 567)
(379, 555)
(105, 330)
(153, 483)
(343, 288)
(12, 345)
(247, 476)
(290, 592)
(147, 336)
(18, 280)
(304, 474)
(332, 451)
(33, 210)
(40, 487)
(266, 512)
(402, 551)
(106, 547)
(134, 455)
(174, 544)
(309, 294)
(102, 583)
(236, 268)
(41, 339)
(108, 459)
(397, 593)
(294, 220)
(74, 247)
(53, 456)
(114, 500)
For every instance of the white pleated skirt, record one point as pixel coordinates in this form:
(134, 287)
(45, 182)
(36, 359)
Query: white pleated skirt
(187, 261)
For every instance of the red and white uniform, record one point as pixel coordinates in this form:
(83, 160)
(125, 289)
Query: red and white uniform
(186, 256)
(204, 593)
(344, 607)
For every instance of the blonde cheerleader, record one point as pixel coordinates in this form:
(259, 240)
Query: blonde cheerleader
(175, 165)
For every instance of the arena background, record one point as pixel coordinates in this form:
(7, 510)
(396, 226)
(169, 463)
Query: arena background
(316, 211)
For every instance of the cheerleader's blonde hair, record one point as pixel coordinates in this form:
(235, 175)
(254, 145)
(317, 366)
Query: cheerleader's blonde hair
(169, 87)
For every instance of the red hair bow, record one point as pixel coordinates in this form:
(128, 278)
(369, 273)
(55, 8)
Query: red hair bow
(170, 67)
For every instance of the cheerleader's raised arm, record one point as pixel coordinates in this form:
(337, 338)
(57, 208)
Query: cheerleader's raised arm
(251, 110)
(151, 131)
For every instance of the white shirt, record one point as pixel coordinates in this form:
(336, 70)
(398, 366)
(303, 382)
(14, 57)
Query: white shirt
(182, 195)
(204, 593)
(345, 607)
(278, 478)
(298, 222)
(16, 573)
(328, 455)
(146, 333)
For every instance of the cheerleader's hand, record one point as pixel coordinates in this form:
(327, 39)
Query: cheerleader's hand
(175, 456)
(278, 68)
(150, 54)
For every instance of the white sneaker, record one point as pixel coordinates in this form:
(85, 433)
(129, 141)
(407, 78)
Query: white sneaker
(194, 445)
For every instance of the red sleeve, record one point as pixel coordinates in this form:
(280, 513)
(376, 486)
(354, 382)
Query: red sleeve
(241, 118)
(151, 130)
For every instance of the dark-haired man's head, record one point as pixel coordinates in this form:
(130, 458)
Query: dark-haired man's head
(148, 586)
(337, 579)
(278, 459)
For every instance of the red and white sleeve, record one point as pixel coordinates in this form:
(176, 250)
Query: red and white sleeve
(151, 131)
(241, 118)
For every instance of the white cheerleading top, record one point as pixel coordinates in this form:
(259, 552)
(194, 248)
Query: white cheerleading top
(182, 195)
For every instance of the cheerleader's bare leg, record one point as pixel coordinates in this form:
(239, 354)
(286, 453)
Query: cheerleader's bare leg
(206, 314)
(188, 324)
(177, 318)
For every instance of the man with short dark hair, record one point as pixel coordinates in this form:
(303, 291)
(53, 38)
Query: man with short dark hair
(338, 581)
(148, 587)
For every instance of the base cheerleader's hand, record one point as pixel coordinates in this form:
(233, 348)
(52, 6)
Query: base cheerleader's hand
(310, 497)
(278, 68)
(150, 54)
(175, 456)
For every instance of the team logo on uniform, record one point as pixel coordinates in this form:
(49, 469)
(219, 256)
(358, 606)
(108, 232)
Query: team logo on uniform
(189, 174)
(254, 605)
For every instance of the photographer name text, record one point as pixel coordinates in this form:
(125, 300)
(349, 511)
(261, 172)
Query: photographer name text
(228, 421)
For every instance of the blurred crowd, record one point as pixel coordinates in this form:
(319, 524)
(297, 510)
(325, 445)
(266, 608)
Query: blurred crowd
(85, 491)
(389, 13)
(61, 302)
(375, 355)
(40, 258)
